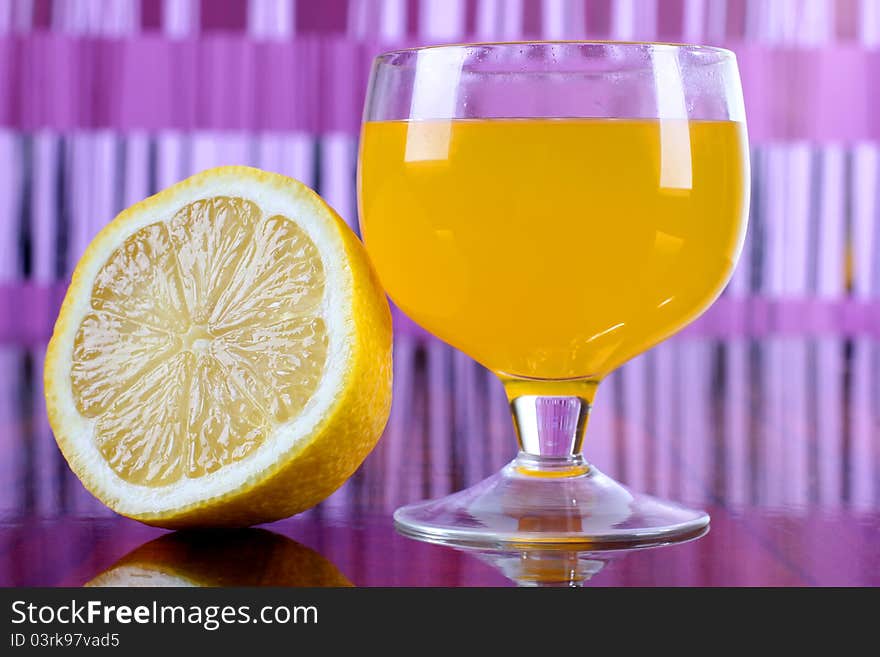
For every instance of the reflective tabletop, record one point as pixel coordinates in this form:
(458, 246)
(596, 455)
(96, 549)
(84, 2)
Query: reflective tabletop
(773, 431)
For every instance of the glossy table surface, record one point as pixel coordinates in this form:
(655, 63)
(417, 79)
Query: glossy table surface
(776, 435)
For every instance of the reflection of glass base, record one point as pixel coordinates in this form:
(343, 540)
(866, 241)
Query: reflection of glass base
(545, 567)
(522, 508)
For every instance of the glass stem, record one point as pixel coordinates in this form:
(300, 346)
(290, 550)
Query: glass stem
(550, 418)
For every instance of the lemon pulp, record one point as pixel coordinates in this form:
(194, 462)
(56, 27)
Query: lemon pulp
(205, 331)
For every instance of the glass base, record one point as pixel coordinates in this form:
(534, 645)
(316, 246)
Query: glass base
(523, 507)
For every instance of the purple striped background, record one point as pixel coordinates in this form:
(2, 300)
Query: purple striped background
(315, 84)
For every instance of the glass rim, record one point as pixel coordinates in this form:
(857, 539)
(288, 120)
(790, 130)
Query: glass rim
(719, 51)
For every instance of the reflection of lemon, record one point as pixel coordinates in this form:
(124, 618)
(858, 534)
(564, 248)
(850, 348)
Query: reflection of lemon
(246, 557)
(223, 354)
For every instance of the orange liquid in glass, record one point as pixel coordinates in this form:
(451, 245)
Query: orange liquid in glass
(553, 248)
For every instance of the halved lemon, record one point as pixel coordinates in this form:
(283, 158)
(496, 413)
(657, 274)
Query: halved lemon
(222, 356)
